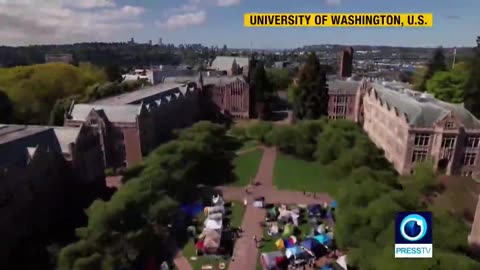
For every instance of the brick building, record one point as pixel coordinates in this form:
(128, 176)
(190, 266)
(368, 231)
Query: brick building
(133, 124)
(342, 99)
(230, 65)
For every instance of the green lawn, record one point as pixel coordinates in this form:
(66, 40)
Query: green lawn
(295, 174)
(248, 145)
(238, 210)
(246, 166)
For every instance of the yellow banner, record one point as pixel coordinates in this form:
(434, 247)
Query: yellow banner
(338, 20)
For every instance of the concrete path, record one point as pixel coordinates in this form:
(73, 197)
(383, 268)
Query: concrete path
(181, 262)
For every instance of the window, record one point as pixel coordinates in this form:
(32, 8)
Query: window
(419, 155)
(422, 139)
(472, 142)
(341, 99)
(340, 109)
(448, 142)
(469, 158)
(449, 124)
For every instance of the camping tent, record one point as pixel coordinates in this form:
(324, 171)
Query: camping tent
(215, 216)
(270, 260)
(323, 239)
(314, 209)
(333, 204)
(342, 262)
(280, 244)
(215, 209)
(294, 251)
(314, 247)
(272, 213)
(192, 210)
(213, 224)
(217, 200)
(211, 242)
(288, 230)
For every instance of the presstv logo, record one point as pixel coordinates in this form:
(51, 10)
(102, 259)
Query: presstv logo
(413, 235)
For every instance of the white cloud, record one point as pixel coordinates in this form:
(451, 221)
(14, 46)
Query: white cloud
(226, 3)
(184, 20)
(87, 4)
(333, 2)
(26, 22)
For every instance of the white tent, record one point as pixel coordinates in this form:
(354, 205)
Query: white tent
(342, 261)
(215, 216)
(217, 200)
(215, 209)
(213, 224)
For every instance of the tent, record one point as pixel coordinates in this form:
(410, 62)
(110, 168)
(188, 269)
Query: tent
(315, 247)
(215, 216)
(272, 213)
(280, 244)
(323, 239)
(288, 243)
(333, 204)
(314, 209)
(192, 210)
(211, 242)
(326, 267)
(213, 224)
(215, 209)
(270, 260)
(288, 230)
(217, 200)
(342, 262)
(294, 251)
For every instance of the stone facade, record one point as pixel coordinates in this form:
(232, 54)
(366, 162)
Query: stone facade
(342, 99)
(233, 98)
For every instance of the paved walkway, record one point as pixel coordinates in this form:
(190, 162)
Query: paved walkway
(181, 262)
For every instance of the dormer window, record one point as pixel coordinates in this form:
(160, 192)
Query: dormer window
(449, 124)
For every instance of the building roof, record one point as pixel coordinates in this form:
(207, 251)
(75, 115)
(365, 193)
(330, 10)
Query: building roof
(346, 86)
(224, 63)
(137, 96)
(422, 110)
(66, 136)
(9, 133)
(115, 113)
(207, 80)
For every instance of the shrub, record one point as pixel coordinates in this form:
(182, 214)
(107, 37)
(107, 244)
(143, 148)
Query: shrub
(259, 131)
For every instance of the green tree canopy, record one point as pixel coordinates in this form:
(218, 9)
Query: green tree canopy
(280, 78)
(449, 86)
(311, 97)
(436, 64)
(472, 93)
(6, 108)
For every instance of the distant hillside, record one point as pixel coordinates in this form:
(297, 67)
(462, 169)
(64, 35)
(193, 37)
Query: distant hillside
(35, 89)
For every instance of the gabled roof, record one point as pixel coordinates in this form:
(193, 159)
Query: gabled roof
(66, 136)
(348, 87)
(115, 113)
(136, 97)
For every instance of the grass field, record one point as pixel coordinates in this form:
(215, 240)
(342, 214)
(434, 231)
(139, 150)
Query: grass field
(246, 166)
(291, 173)
(248, 145)
(238, 210)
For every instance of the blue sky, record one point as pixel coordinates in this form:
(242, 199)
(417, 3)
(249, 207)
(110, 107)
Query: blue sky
(218, 22)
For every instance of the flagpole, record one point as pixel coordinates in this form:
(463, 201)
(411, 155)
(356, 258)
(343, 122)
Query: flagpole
(454, 56)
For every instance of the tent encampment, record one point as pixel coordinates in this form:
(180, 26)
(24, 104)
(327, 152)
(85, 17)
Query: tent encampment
(314, 209)
(280, 244)
(217, 200)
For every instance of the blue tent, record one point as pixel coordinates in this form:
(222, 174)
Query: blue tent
(333, 204)
(288, 244)
(326, 268)
(314, 209)
(293, 251)
(315, 247)
(192, 210)
(323, 239)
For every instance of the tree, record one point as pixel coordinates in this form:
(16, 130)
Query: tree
(279, 78)
(114, 73)
(449, 86)
(6, 108)
(311, 100)
(436, 64)
(472, 93)
(263, 90)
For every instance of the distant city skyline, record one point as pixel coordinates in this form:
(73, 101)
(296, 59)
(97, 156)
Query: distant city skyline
(219, 22)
